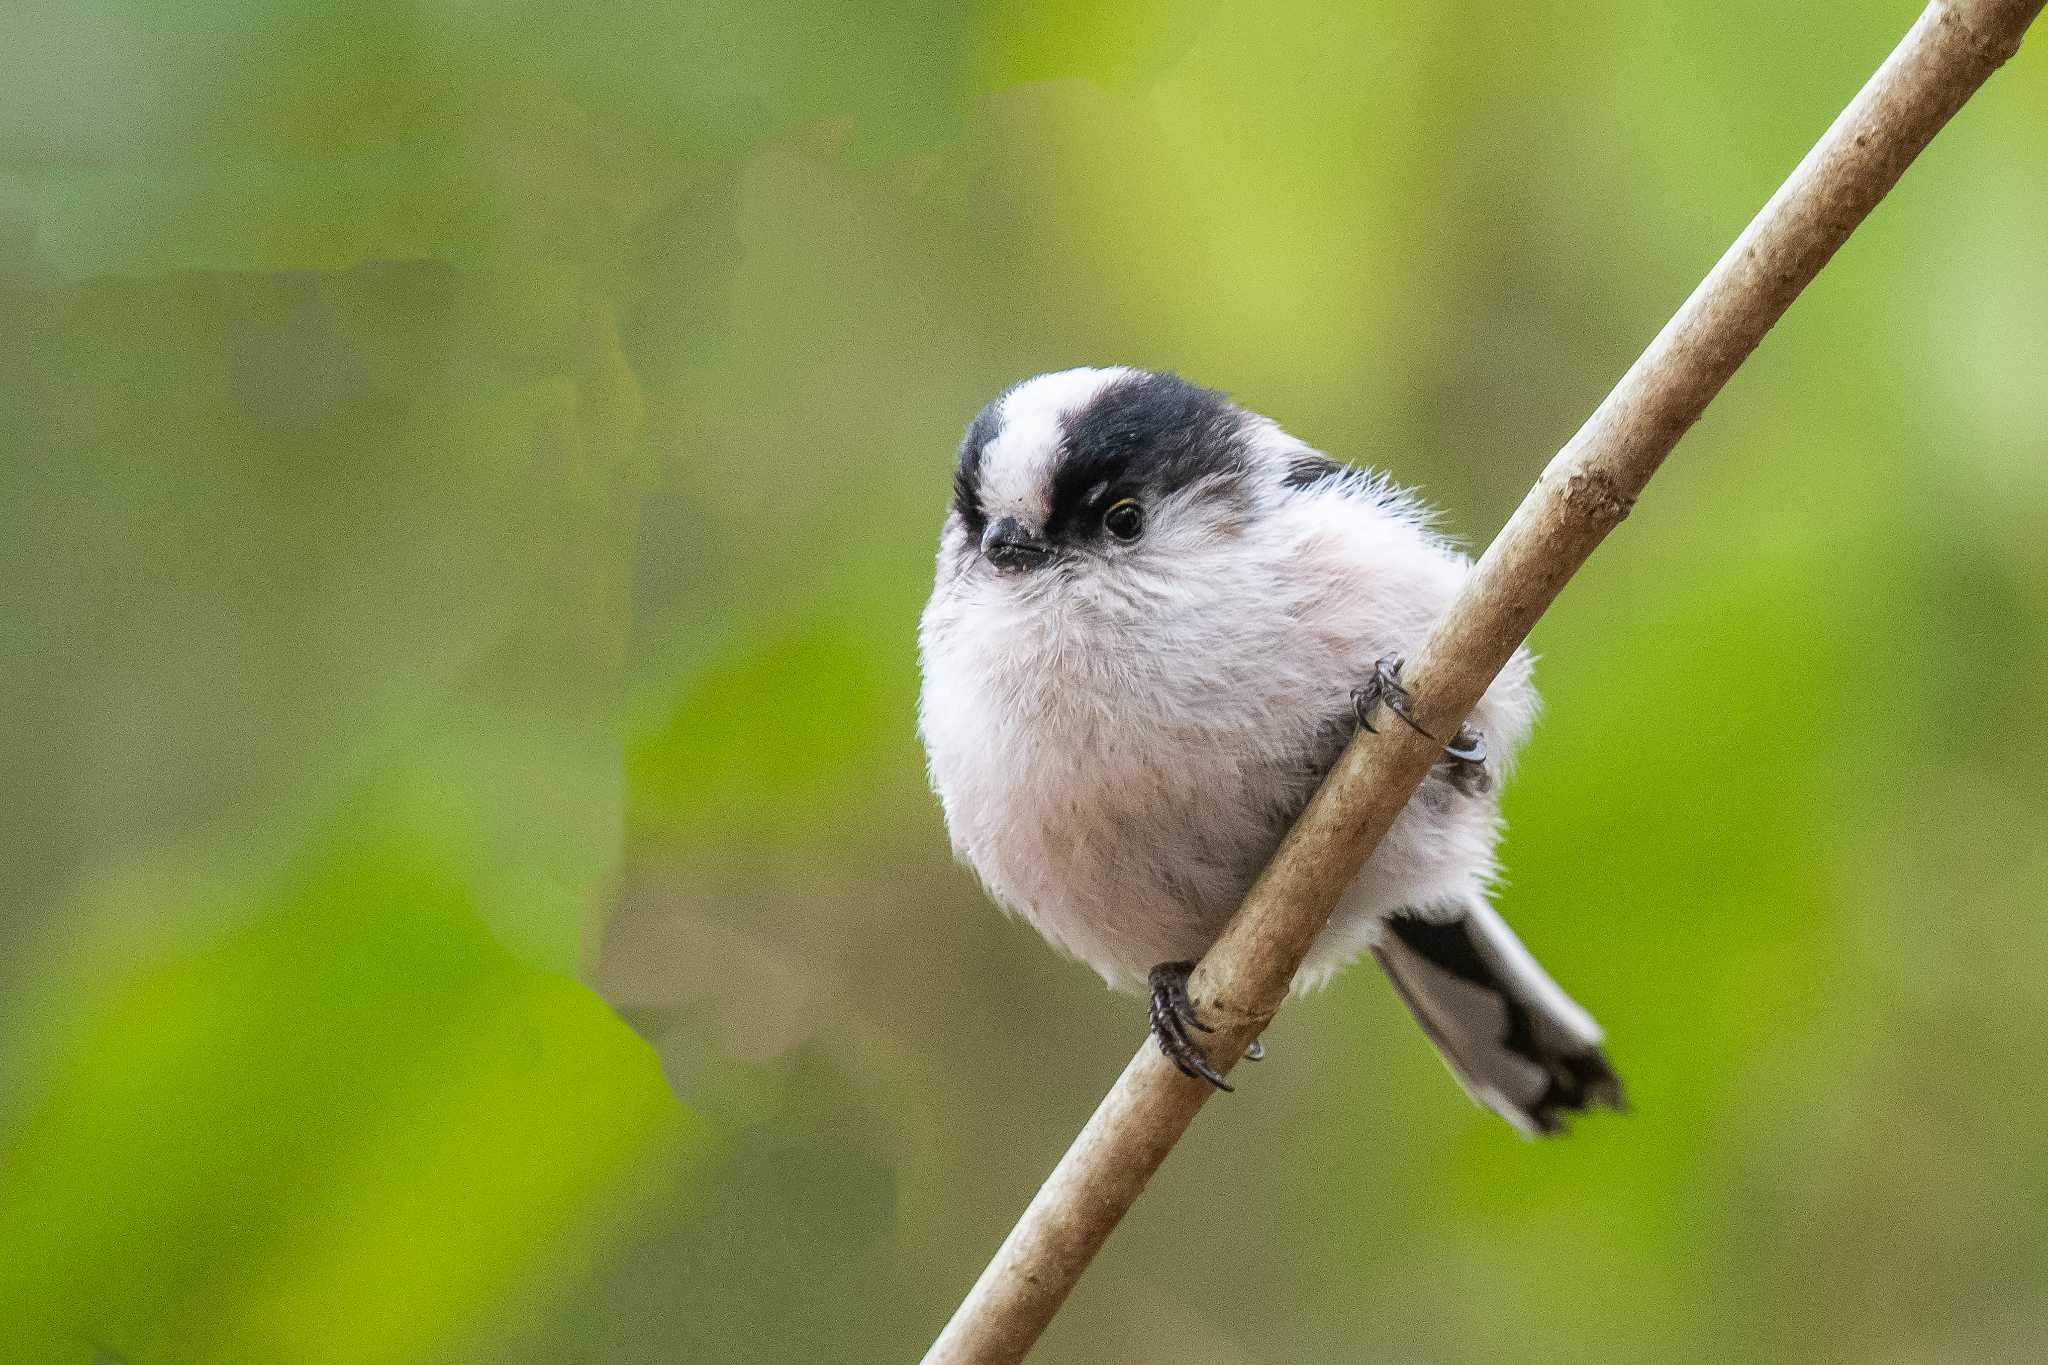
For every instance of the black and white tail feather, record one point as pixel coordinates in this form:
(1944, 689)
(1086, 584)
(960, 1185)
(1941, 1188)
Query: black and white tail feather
(1516, 1042)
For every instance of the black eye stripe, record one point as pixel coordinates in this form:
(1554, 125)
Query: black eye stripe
(1145, 435)
(967, 475)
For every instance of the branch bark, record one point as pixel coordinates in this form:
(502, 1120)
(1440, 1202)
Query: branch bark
(1585, 492)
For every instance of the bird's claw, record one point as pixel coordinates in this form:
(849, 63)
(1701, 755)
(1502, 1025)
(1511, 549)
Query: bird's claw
(1172, 1015)
(1384, 688)
(1465, 757)
(1467, 746)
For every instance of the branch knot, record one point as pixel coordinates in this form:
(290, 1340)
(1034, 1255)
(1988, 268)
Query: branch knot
(1598, 495)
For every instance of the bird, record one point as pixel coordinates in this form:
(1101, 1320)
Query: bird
(1156, 621)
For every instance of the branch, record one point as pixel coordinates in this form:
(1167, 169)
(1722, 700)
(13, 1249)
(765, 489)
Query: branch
(1583, 494)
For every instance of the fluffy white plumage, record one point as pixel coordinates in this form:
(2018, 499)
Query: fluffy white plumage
(1120, 736)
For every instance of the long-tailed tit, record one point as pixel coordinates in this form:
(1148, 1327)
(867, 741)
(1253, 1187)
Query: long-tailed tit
(1157, 620)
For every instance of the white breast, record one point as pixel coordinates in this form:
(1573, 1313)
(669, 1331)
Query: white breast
(1102, 793)
(1112, 766)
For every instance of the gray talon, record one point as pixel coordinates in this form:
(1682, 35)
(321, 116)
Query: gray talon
(1384, 689)
(1465, 758)
(1469, 746)
(1171, 1016)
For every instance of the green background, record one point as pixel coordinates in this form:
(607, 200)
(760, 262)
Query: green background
(468, 479)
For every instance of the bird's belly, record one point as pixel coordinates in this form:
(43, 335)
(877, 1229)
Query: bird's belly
(1125, 811)
(1123, 855)
(1127, 856)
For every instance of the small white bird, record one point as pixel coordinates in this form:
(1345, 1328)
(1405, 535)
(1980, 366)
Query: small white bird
(1157, 620)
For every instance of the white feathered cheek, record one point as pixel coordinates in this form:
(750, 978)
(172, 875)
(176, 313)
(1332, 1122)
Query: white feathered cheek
(1186, 526)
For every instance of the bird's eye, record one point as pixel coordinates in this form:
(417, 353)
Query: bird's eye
(1125, 520)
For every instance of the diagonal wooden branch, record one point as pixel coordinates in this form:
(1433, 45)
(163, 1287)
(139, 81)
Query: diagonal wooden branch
(1583, 494)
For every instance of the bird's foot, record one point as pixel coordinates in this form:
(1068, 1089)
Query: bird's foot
(1172, 1015)
(1464, 761)
(1464, 757)
(1384, 688)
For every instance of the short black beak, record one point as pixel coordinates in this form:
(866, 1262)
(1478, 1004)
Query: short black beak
(1008, 546)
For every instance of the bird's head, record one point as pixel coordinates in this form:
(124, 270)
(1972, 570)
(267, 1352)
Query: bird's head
(1099, 476)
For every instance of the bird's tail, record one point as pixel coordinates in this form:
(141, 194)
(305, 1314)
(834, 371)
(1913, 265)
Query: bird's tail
(1518, 1044)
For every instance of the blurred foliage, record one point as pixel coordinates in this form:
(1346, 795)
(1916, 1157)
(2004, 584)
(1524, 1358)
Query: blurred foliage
(470, 470)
